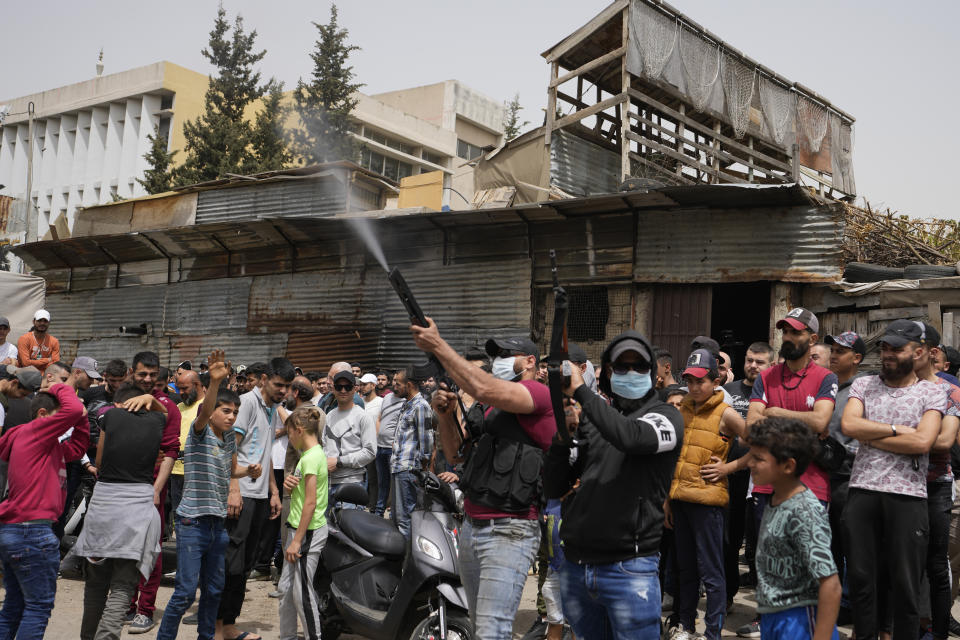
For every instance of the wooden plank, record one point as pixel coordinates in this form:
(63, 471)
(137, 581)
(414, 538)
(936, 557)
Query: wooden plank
(589, 111)
(580, 104)
(590, 66)
(693, 143)
(876, 315)
(551, 103)
(625, 106)
(947, 335)
(935, 316)
(584, 32)
(707, 131)
(684, 158)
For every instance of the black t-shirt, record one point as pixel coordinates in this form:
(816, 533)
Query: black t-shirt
(99, 393)
(740, 391)
(133, 445)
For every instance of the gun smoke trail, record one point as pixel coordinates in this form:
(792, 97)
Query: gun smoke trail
(364, 229)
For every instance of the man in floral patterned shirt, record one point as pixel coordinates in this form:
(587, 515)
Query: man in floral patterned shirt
(896, 417)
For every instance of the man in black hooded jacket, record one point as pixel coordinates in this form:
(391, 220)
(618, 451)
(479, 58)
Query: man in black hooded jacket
(613, 520)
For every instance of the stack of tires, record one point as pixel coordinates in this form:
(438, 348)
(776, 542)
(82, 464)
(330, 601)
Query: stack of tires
(863, 272)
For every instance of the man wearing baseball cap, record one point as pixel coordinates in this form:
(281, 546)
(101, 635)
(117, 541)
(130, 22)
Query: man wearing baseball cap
(85, 372)
(8, 350)
(21, 382)
(797, 389)
(897, 418)
(37, 348)
(501, 532)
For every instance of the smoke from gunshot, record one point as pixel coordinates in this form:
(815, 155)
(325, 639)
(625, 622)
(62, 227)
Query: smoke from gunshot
(363, 228)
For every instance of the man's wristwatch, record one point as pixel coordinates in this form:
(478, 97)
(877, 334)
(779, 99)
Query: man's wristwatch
(339, 464)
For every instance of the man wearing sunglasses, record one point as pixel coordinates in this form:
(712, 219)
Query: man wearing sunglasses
(501, 532)
(625, 458)
(349, 437)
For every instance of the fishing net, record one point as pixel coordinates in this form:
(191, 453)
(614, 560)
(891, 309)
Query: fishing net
(701, 66)
(657, 38)
(779, 105)
(813, 121)
(738, 81)
(841, 151)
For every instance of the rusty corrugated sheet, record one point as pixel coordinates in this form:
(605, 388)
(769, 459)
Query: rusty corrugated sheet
(129, 306)
(6, 206)
(315, 301)
(796, 244)
(207, 306)
(292, 199)
(316, 351)
(239, 347)
(125, 347)
(596, 249)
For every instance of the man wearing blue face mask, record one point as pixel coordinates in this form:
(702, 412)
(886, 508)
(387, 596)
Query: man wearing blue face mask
(501, 476)
(612, 521)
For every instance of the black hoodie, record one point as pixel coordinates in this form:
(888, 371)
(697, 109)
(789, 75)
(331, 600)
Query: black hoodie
(625, 464)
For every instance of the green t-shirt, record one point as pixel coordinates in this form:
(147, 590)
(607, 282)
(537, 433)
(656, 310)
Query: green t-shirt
(793, 553)
(313, 462)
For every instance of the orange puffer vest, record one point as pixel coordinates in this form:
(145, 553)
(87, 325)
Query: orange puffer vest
(701, 439)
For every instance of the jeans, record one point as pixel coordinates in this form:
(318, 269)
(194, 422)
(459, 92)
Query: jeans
(405, 500)
(698, 532)
(106, 597)
(383, 478)
(494, 560)
(886, 546)
(201, 545)
(31, 556)
(617, 601)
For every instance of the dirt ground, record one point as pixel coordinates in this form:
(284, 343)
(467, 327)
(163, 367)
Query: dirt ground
(260, 612)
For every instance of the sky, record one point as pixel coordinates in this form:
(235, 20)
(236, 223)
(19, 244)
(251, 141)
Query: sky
(889, 64)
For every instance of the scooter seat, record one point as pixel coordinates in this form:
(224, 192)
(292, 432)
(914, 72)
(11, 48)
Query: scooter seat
(373, 533)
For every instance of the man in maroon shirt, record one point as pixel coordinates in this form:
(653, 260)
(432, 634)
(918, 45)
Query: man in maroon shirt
(799, 389)
(146, 370)
(501, 532)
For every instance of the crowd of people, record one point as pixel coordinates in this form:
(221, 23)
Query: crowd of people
(837, 484)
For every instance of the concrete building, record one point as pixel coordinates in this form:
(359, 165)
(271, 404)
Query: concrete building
(90, 137)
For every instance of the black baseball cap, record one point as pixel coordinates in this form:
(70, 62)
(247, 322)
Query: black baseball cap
(930, 334)
(518, 346)
(706, 342)
(900, 332)
(850, 340)
(345, 375)
(629, 344)
(700, 364)
(185, 365)
(576, 353)
(953, 356)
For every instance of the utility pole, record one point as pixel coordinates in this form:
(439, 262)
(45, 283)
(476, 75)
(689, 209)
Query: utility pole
(31, 221)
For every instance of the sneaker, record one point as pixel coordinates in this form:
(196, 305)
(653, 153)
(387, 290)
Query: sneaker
(750, 630)
(677, 632)
(127, 619)
(537, 630)
(141, 624)
(258, 575)
(194, 619)
(928, 635)
(954, 627)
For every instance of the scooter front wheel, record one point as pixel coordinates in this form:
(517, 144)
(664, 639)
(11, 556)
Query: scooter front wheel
(458, 627)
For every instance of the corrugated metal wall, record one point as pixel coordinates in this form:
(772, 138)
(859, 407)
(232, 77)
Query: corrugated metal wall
(298, 198)
(582, 168)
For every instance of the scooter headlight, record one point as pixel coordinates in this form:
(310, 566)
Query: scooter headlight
(429, 548)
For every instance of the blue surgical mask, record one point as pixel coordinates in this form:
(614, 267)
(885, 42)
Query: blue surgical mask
(631, 385)
(503, 368)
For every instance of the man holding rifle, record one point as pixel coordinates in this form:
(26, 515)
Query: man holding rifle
(501, 479)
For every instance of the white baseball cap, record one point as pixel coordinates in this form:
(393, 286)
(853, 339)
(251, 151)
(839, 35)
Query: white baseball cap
(42, 314)
(368, 378)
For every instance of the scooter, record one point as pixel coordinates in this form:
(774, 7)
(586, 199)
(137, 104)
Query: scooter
(375, 583)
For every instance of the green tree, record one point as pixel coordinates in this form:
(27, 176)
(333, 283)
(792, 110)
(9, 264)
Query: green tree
(218, 141)
(511, 119)
(159, 176)
(324, 104)
(270, 150)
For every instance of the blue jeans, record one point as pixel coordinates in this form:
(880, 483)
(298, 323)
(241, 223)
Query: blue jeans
(617, 601)
(201, 546)
(31, 556)
(383, 478)
(494, 560)
(404, 500)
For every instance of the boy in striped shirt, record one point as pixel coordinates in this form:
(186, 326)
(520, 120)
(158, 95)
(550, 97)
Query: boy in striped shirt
(209, 461)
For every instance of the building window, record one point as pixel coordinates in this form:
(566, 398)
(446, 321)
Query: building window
(385, 166)
(468, 151)
(432, 158)
(589, 312)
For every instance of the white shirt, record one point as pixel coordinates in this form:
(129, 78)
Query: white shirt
(9, 350)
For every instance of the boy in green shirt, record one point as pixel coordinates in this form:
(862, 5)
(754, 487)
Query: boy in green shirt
(308, 504)
(798, 592)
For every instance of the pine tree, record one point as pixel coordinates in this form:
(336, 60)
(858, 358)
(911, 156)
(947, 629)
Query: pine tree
(269, 144)
(324, 105)
(511, 119)
(159, 177)
(218, 141)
